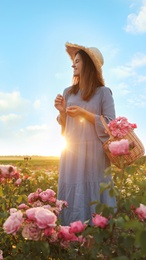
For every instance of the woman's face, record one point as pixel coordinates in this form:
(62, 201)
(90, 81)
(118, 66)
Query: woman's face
(77, 65)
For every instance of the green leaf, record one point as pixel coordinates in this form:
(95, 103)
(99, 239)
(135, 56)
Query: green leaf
(104, 186)
(143, 241)
(1, 191)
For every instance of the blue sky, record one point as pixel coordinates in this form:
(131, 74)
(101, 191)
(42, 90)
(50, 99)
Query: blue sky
(34, 66)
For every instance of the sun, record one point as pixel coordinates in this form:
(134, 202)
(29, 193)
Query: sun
(63, 143)
(59, 146)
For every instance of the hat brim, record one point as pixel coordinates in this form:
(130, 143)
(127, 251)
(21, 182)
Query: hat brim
(93, 53)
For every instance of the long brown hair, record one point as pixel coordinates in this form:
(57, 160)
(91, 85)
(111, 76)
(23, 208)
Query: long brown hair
(92, 77)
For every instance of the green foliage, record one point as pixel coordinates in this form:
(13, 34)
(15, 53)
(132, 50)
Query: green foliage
(122, 239)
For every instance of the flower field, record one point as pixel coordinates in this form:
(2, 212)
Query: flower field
(29, 215)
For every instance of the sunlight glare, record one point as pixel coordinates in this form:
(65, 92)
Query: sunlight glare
(61, 146)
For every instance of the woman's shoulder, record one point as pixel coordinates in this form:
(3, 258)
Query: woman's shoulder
(103, 89)
(66, 90)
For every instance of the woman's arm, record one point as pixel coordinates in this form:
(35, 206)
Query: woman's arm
(74, 111)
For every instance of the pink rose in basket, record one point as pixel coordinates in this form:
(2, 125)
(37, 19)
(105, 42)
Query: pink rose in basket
(120, 127)
(121, 147)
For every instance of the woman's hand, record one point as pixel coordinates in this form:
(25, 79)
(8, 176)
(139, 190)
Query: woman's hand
(60, 103)
(74, 111)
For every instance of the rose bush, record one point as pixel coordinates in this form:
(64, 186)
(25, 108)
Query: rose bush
(31, 227)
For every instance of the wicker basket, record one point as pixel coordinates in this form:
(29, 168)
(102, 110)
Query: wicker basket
(124, 160)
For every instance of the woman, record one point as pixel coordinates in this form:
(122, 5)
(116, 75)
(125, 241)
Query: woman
(83, 162)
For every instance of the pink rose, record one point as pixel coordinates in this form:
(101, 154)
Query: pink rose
(18, 182)
(39, 190)
(30, 213)
(13, 223)
(12, 210)
(77, 227)
(64, 233)
(120, 127)
(48, 231)
(32, 197)
(54, 237)
(81, 239)
(47, 195)
(119, 147)
(45, 218)
(99, 221)
(7, 171)
(31, 231)
(2, 180)
(38, 203)
(60, 204)
(23, 206)
(141, 212)
(1, 255)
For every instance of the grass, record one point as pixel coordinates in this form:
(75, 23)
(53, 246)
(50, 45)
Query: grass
(36, 162)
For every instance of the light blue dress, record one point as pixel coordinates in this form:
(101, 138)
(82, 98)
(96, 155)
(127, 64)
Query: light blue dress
(83, 162)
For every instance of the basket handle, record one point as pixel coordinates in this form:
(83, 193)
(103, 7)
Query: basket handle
(105, 125)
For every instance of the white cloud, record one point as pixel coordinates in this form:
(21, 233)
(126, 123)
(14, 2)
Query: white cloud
(122, 71)
(10, 118)
(141, 78)
(37, 104)
(121, 89)
(37, 127)
(10, 101)
(138, 101)
(138, 60)
(129, 69)
(136, 22)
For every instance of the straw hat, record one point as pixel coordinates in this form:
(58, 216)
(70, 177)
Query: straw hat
(93, 53)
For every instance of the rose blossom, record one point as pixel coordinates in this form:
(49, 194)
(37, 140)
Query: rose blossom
(99, 221)
(60, 204)
(33, 197)
(120, 127)
(30, 213)
(119, 147)
(18, 182)
(23, 206)
(81, 239)
(54, 237)
(7, 171)
(47, 195)
(48, 231)
(31, 231)
(77, 227)
(38, 203)
(45, 218)
(12, 210)
(1, 255)
(64, 233)
(13, 223)
(141, 212)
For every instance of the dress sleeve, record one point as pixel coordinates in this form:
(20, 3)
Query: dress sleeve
(65, 95)
(108, 112)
